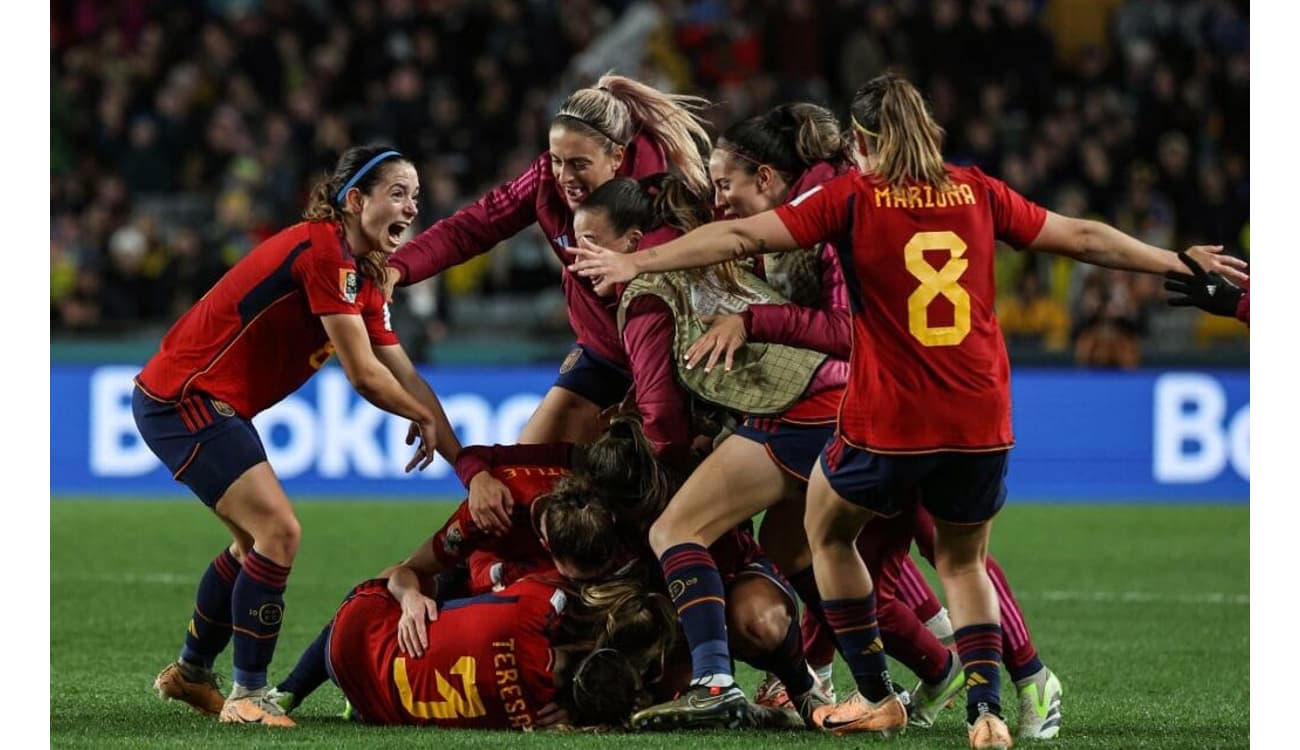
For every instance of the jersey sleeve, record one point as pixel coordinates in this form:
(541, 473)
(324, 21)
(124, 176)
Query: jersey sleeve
(820, 213)
(379, 323)
(1016, 219)
(330, 281)
(648, 341)
(827, 328)
(473, 230)
(457, 538)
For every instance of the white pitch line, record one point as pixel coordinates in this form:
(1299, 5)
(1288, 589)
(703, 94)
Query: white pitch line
(1142, 597)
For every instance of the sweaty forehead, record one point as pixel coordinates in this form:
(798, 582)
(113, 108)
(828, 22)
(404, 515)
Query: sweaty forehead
(594, 221)
(570, 144)
(399, 173)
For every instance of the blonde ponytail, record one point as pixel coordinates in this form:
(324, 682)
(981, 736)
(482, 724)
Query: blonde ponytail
(908, 142)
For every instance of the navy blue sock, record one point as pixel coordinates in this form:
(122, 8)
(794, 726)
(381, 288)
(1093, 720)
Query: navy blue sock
(208, 632)
(1028, 669)
(980, 649)
(696, 590)
(858, 634)
(258, 607)
(310, 672)
(787, 662)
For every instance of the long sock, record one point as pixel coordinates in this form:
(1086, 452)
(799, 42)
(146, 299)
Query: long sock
(696, 590)
(908, 641)
(787, 662)
(858, 634)
(1018, 650)
(209, 631)
(258, 606)
(310, 671)
(913, 590)
(980, 648)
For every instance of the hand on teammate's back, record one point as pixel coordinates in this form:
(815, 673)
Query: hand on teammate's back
(1210, 291)
(490, 503)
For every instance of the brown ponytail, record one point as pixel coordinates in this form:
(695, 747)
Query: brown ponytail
(891, 111)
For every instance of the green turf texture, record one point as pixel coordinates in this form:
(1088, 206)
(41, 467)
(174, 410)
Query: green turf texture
(1143, 611)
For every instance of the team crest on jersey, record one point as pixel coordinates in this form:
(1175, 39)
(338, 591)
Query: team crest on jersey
(571, 360)
(349, 284)
(453, 539)
(222, 408)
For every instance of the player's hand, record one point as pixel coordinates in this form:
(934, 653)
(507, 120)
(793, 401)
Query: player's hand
(604, 266)
(391, 277)
(490, 503)
(725, 336)
(552, 715)
(1212, 260)
(418, 611)
(425, 452)
(1209, 291)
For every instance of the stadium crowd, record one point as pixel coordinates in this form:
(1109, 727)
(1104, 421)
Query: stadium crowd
(184, 133)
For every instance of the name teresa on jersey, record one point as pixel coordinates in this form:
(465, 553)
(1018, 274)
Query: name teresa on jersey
(924, 196)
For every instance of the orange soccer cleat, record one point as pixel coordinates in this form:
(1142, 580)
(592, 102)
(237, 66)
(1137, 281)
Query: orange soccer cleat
(193, 685)
(857, 714)
(989, 732)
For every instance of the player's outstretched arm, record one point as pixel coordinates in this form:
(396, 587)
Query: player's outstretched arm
(395, 359)
(1103, 245)
(704, 246)
(376, 383)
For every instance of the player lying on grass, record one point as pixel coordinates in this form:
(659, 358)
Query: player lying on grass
(504, 660)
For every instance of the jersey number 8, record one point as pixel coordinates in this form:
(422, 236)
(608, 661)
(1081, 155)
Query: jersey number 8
(935, 283)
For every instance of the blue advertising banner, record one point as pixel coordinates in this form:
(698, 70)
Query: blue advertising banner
(1081, 435)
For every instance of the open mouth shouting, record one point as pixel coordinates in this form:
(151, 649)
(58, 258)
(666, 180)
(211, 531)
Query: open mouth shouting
(395, 231)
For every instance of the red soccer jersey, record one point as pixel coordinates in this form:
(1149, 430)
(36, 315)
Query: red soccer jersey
(929, 366)
(256, 336)
(460, 536)
(489, 663)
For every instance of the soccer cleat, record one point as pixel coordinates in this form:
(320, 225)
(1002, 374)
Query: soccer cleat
(189, 684)
(989, 732)
(246, 706)
(774, 717)
(1040, 707)
(806, 705)
(698, 707)
(771, 692)
(857, 714)
(285, 700)
(928, 700)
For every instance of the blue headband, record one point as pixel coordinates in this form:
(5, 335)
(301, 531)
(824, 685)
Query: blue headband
(361, 173)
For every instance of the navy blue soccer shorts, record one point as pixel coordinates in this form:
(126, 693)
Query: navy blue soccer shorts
(593, 377)
(794, 447)
(201, 441)
(955, 487)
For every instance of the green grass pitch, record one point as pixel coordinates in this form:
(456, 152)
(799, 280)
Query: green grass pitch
(1143, 611)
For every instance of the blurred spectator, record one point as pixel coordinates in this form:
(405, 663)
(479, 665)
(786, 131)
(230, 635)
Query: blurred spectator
(210, 120)
(1031, 317)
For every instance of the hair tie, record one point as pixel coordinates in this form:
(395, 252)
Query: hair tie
(356, 176)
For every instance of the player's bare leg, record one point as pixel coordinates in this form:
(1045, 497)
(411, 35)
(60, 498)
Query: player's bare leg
(848, 600)
(257, 504)
(563, 416)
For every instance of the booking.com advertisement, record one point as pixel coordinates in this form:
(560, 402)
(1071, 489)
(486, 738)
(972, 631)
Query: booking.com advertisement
(1081, 436)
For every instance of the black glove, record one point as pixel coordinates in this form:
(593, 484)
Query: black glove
(1208, 291)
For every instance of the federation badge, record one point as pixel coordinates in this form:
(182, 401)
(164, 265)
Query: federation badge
(349, 283)
(571, 360)
(222, 408)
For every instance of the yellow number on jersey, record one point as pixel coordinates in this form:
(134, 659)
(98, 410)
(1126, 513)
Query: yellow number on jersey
(935, 283)
(454, 703)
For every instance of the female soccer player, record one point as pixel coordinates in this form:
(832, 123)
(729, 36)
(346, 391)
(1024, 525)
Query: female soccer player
(268, 325)
(618, 127)
(927, 412)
